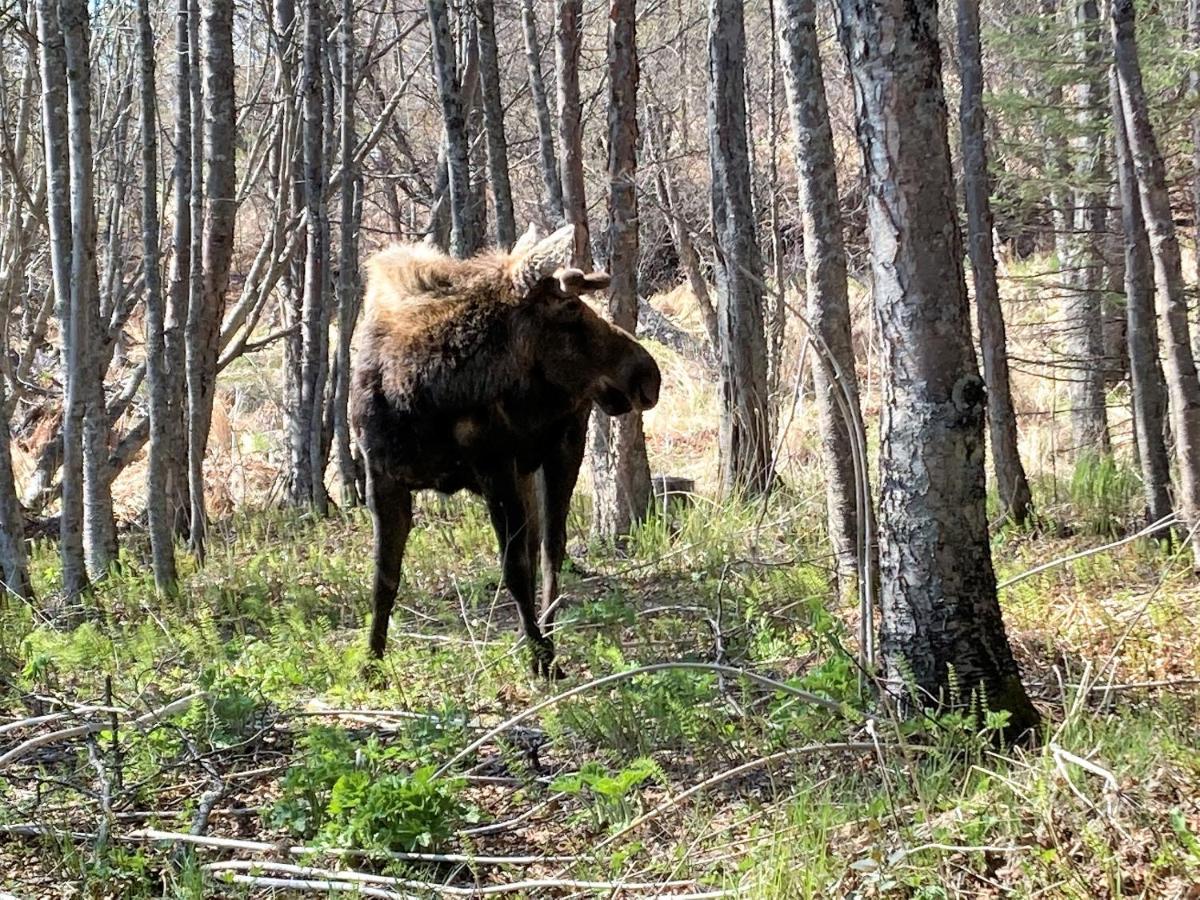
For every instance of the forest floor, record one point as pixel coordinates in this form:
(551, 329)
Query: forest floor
(680, 781)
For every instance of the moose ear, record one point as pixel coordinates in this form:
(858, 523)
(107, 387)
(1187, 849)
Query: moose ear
(543, 259)
(573, 282)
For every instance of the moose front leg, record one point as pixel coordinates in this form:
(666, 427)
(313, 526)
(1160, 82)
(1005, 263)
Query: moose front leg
(391, 510)
(509, 498)
(560, 471)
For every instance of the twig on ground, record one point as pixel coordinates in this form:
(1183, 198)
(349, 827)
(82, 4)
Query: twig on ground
(64, 734)
(154, 834)
(365, 878)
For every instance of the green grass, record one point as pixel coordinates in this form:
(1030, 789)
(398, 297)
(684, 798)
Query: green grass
(272, 629)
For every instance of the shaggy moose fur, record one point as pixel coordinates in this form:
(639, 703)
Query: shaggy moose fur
(480, 374)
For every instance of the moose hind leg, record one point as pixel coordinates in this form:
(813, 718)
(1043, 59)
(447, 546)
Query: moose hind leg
(509, 498)
(391, 510)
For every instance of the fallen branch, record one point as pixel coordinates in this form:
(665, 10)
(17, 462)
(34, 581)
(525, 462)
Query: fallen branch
(365, 878)
(65, 734)
(324, 887)
(154, 834)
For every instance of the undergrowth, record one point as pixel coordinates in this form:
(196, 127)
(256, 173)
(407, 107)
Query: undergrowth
(296, 746)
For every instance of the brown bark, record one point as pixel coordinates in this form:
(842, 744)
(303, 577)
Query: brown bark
(553, 200)
(1011, 483)
(570, 128)
(493, 114)
(620, 470)
(745, 426)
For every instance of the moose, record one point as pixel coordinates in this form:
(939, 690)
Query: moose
(480, 375)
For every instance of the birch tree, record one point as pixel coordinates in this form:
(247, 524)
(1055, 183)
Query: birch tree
(828, 309)
(158, 513)
(72, 321)
(1183, 386)
(942, 625)
(1145, 369)
(220, 208)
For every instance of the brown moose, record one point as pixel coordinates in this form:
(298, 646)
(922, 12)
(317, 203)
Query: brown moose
(480, 374)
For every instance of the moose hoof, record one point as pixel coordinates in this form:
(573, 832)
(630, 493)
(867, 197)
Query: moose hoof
(543, 663)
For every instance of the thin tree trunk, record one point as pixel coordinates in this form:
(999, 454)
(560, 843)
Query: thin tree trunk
(553, 201)
(745, 439)
(570, 127)
(943, 636)
(174, 344)
(825, 271)
(307, 475)
(620, 470)
(463, 241)
(1183, 387)
(689, 259)
(1011, 484)
(99, 527)
(1083, 311)
(14, 560)
(220, 208)
(158, 512)
(1193, 25)
(1145, 370)
(351, 192)
(196, 275)
(58, 209)
(493, 112)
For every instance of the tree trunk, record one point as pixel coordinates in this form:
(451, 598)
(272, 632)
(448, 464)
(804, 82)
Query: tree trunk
(348, 281)
(1011, 484)
(553, 201)
(174, 344)
(1145, 370)
(1183, 387)
(943, 636)
(493, 112)
(99, 527)
(1193, 25)
(158, 511)
(825, 270)
(463, 241)
(620, 470)
(14, 560)
(570, 128)
(72, 322)
(307, 486)
(220, 209)
(1083, 312)
(689, 259)
(745, 434)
